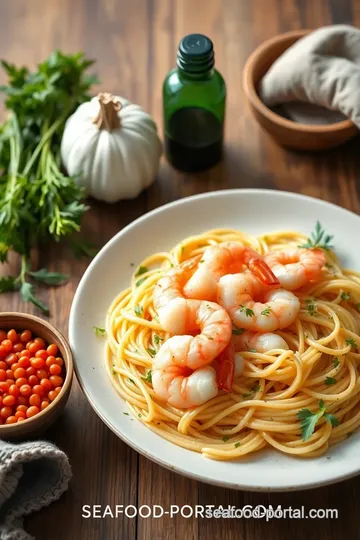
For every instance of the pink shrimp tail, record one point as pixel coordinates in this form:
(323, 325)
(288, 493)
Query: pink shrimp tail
(262, 271)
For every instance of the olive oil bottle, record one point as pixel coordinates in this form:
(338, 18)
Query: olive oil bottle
(194, 97)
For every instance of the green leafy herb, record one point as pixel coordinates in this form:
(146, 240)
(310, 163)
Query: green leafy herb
(248, 312)
(139, 415)
(311, 309)
(139, 310)
(336, 362)
(82, 248)
(225, 438)
(252, 350)
(352, 342)
(126, 413)
(254, 389)
(237, 444)
(151, 351)
(308, 420)
(28, 295)
(141, 270)
(157, 339)
(131, 380)
(345, 296)
(140, 281)
(38, 202)
(332, 419)
(329, 381)
(8, 284)
(266, 311)
(318, 239)
(49, 278)
(237, 331)
(148, 377)
(100, 332)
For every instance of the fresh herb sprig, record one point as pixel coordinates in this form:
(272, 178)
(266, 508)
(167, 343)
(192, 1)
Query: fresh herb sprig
(319, 239)
(38, 202)
(308, 420)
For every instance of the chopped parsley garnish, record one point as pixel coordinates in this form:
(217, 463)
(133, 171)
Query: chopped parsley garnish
(141, 270)
(151, 351)
(329, 381)
(139, 311)
(131, 380)
(255, 388)
(336, 362)
(100, 332)
(345, 296)
(308, 420)
(126, 414)
(266, 311)
(311, 309)
(318, 239)
(148, 377)
(352, 342)
(139, 415)
(237, 444)
(225, 438)
(237, 331)
(157, 339)
(140, 281)
(252, 350)
(248, 312)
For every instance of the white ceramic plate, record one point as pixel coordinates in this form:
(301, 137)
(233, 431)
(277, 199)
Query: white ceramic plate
(253, 211)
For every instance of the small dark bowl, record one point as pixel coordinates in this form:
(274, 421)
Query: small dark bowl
(286, 132)
(35, 425)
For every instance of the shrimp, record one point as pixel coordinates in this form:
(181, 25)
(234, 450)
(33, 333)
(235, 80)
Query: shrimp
(262, 343)
(174, 385)
(221, 259)
(296, 267)
(236, 293)
(173, 309)
(182, 374)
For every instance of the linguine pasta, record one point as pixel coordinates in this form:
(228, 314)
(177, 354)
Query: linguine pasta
(318, 374)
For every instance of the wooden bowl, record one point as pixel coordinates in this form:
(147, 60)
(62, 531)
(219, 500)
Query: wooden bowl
(286, 132)
(34, 426)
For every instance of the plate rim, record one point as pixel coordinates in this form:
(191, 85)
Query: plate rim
(177, 469)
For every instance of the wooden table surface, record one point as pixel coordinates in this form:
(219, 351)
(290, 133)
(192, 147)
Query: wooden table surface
(135, 43)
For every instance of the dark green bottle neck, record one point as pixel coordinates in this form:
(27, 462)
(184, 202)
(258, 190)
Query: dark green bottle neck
(189, 76)
(195, 57)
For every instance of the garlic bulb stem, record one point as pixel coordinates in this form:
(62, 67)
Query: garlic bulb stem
(108, 118)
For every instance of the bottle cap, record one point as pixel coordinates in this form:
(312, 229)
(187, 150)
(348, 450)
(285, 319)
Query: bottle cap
(195, 54)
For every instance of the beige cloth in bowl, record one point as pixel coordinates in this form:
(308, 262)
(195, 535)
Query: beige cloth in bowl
(322, 70)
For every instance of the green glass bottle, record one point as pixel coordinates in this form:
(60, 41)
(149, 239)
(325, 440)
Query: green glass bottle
(194, 97)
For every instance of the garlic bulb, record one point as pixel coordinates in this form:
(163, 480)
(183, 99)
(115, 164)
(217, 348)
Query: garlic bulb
(113, 147)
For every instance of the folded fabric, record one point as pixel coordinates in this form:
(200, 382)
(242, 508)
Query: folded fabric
(32, 475)
(321, 69)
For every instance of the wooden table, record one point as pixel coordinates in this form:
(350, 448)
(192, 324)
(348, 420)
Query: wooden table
(135, 45)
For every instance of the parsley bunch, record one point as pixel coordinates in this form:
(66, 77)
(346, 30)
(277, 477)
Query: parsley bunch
(38, 202)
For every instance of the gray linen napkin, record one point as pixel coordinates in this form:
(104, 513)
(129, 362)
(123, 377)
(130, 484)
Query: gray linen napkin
(32, 475)
(323, 70)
